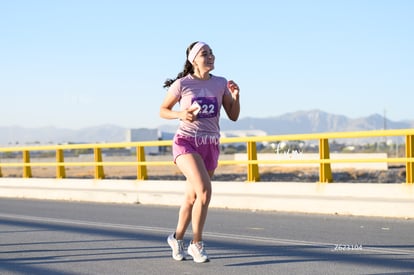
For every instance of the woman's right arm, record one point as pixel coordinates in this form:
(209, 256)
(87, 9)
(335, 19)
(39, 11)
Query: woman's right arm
(166, 109)
(167, 112)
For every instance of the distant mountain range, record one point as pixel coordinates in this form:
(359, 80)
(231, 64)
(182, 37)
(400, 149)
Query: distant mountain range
(313, 121)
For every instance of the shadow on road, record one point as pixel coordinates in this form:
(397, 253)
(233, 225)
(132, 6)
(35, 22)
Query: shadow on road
(70, 244)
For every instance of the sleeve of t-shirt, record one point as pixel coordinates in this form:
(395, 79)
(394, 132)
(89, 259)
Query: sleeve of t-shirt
(175, 89)
(226, 91)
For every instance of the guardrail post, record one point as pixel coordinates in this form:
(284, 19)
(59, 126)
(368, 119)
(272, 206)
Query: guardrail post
(253, 168)
(60, 169)
(141, 169)
(99, 171)
(325, 173)
(409, 153)
(1, 174)
(27, 169)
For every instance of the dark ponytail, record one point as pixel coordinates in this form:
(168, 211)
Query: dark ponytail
(188, 68)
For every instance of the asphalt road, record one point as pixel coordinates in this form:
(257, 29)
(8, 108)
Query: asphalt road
(51, 237)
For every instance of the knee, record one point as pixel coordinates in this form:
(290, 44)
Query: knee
(205, 196)
(190, 199)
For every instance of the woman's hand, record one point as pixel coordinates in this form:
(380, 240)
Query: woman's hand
(234, 88)
(188, 115)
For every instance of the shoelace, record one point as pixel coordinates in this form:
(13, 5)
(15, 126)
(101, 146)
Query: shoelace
(200, 247)
(180, 244)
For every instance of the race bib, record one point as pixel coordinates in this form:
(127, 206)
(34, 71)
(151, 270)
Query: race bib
(209, 106)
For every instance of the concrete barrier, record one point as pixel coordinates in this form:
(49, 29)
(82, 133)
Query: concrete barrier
(377, 200)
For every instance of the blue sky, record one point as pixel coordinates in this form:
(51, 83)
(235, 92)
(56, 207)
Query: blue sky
(74, 64)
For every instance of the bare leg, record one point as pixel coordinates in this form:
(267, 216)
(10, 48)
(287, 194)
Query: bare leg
(197, 196)
(184, 216)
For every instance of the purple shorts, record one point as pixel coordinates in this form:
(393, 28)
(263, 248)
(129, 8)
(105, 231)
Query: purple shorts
(207, 147)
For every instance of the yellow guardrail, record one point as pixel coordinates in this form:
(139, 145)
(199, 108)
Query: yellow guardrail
(252, 162)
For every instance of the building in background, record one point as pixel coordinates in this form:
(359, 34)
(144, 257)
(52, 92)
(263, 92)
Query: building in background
(146, 134)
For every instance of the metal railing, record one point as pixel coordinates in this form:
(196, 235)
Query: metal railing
(252, 162)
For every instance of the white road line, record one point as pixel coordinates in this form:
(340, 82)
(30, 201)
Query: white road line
(210, 234)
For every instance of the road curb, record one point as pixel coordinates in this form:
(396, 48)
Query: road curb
(376, 200)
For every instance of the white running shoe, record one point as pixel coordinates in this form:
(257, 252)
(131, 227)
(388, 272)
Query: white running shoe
(177, 247)
(197, 251)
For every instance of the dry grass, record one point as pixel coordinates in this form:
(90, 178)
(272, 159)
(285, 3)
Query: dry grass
(110, 171)
(223, 173)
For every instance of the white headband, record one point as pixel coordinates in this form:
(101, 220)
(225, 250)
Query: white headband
(194, 51)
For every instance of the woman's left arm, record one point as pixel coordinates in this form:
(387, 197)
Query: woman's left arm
(231, 103)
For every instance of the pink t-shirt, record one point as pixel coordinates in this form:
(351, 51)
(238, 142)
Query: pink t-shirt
(209, 94)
